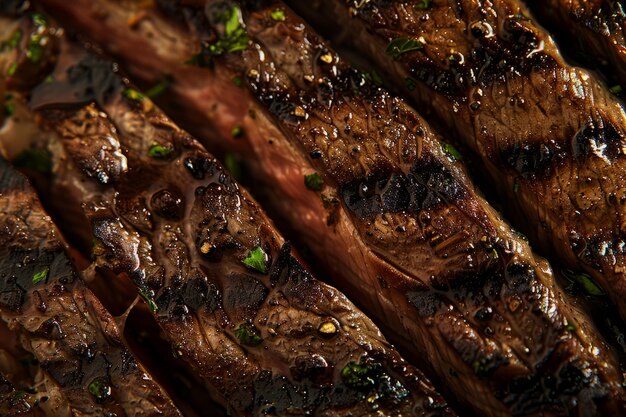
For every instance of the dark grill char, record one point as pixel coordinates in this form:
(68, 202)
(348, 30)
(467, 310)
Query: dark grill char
(180, 227)
(397, 220)
(593, 30)
(70, 334)
(550, 136)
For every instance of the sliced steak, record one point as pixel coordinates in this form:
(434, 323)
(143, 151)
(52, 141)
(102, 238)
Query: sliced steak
(550, 135)
(380, 200)
(265, 336)
(72, 337)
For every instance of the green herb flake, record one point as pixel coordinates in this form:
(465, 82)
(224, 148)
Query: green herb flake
(373, 77)
(159, 151)
(36, 159)
(451, 151)
(132, 94)
(256, 260)
(12, 69)
(148, 295)
(584, 281)
(248, 335)
(236, 132)
(360, 375)
(234, 166)
(41, 275)
(616, 89)
(14, 40)
(313, 181)
(401, 46)
(570, 327)
(278, 15)
(237, 81)
(34, 51)
(423, 4)
(9, 109)
(159, 88)
(39, 20)
(100, 388)
(235, 38)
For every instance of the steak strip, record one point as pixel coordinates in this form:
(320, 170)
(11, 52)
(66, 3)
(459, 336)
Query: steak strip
(70, 334)
(550, 135)
(391, 213)
(599, 28)
(265, 336)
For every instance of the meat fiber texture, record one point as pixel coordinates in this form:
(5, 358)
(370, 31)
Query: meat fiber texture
(380, 198)
(263, 334)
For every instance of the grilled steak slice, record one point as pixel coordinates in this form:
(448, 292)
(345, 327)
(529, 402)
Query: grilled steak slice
(392, 214)
(20, 393)
(74, 339)
(598, 26)
(549, 135)
(265, 336)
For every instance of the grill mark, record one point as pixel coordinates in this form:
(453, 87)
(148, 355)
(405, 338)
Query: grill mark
(538, 160)
(428, 185)
(298, 286)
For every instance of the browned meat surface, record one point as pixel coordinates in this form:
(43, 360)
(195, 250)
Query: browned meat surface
(388, 209)
(550, 135)
(21, 393)
(73, 338)
(593, 29)
(264, 335)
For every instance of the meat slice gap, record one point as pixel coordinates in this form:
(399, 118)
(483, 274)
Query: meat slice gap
(379, 197)
(87, 369)
(261, 332)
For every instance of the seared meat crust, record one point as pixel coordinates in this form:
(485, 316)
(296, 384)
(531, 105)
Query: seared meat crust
(87, 369)
(265, 336)
(391, 211)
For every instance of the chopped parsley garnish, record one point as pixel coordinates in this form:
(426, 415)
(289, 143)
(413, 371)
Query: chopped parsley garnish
(148, 295)
(236, 132)
(100, 389)
(373, 77)
(233, 166)
(451, 151)
(35, 159)
(12, 69)
(584, 281)
(159, 88)
(237, 81)
(313, 181)
(41, 275)
(248, 335)
(423, 4)
(257, 260)
(39, 19)
(34, 52)
(159, 151)
(616, 89)
(234, 38)
(132, 94)
(360, 375)
(401, 46)
(9, 109)
(278, 15)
